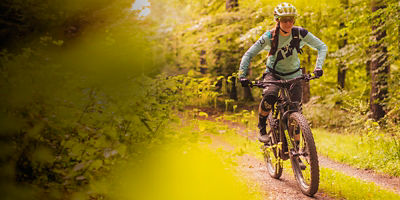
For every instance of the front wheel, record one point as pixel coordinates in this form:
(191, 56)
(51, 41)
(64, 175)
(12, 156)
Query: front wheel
(304, 156)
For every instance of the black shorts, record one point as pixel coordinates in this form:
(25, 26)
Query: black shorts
(270, 93)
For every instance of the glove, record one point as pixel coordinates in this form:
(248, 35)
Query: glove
(244, 81)
(318, 72)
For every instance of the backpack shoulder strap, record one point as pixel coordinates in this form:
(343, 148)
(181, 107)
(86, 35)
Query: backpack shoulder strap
(303, 32)
(296, 39)
(295, 31)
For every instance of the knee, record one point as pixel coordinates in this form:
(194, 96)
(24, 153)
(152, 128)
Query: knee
(263, 113)
(270, 99)
(264, 108)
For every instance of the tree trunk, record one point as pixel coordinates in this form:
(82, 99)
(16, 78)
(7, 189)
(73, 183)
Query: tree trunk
(203, 62)
(232, 5)
(368, 64)
(247, 94)
(306, 89)
(379, 66)
(341, 76)
(306, 96)
(306, 85)
(233, 91)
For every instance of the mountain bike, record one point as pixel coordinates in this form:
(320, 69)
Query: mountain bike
(290, 137)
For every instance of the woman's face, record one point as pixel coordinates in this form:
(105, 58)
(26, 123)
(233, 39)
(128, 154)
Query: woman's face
(287, 23)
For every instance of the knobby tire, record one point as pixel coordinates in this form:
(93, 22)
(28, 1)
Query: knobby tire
(309, 187)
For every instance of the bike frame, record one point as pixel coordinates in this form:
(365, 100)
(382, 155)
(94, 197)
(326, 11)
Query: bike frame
(281, 110)
(286, 125)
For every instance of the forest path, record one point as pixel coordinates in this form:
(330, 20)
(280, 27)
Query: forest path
(382, 180)
(254, 170)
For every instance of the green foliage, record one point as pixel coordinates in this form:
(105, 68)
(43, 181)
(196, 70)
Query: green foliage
(221, 38)
(74, 109)
(63, 137)
(393, 115)
(83, 88)
(340, 185)
(24, 20)
(373, 150)
(244, 117)
(66, 134)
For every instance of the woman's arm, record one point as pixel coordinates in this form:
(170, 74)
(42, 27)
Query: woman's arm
(263, 42)
(316, 43)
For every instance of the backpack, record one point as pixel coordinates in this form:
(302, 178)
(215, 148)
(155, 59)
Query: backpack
(296, 39)
(295, 43)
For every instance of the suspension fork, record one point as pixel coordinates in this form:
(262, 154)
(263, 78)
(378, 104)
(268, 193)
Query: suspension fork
(289, 138)
(293, 137)
(286, 114)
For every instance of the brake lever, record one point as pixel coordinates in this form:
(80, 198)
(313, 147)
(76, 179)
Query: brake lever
(252, 83)
(309, 77)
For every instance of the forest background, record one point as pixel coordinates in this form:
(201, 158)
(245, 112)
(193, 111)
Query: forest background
(88, 85)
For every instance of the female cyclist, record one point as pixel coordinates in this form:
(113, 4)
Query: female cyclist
(284, 43)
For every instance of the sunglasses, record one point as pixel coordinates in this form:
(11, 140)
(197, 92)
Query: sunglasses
(287, 19)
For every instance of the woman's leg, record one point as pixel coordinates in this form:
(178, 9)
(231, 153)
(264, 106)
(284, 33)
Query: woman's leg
(270, 95)
(263, 110)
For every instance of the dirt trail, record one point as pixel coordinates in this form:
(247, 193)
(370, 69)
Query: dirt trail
(254, 170)
(384, 181)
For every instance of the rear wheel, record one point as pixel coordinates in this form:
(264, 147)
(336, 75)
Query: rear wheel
(304, 154)
(272, 150)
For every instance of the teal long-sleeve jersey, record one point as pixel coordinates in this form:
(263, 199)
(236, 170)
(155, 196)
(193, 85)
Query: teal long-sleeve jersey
(286, 55)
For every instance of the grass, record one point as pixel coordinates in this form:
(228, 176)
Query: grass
(339, 185)
(333, 183)
(371, 151)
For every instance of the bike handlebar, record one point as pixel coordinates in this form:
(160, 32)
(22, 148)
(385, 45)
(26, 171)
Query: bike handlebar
(263, 84)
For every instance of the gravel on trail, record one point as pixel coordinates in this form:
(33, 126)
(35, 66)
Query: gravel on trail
(253, 169)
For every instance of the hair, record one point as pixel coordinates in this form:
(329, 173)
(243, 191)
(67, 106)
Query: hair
(275, 38)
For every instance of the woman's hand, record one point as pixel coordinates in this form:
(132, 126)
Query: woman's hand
(318, 72)
(244, 81)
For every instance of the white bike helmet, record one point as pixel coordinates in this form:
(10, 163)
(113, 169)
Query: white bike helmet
(285, 9)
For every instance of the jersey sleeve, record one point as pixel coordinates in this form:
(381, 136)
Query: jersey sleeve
(315, 43)
(262, 42)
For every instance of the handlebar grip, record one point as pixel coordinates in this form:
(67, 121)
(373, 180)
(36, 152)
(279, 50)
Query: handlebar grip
(252, 83)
